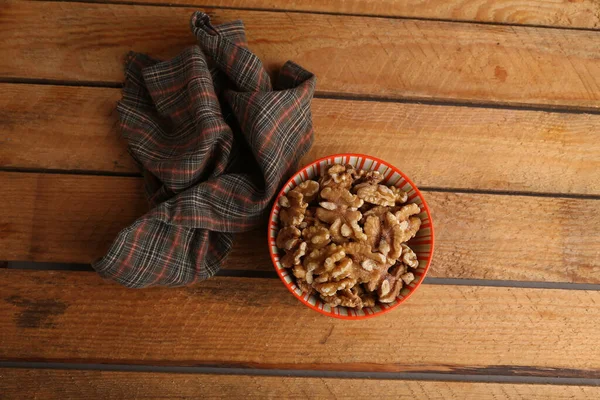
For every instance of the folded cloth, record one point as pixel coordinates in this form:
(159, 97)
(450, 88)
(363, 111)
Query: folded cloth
(215, 140)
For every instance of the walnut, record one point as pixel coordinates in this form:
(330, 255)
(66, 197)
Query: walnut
(400, 195)
(398, 270)
(294, 257)
(302, 273)
(284, 202)
(369, 177)
(309, 190)
(304, 286)
(341, 197)
(330, 288)
(368, 299)
(407, 211)
(409, 228)
(377, 194)
(317, 237)
(337, 175)
(368, 266)
(345, 298)
(288, 238)
(378, 211)
(409, 257)
(407, 277)
(334, 300)
(325, 259)
(389, 289)
(386, 236)
(342, 269)
(340, 210)
(293, 214)
(310, 219)
(391, 284)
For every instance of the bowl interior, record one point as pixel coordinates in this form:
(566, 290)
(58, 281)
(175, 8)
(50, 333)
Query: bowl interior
(422, 244)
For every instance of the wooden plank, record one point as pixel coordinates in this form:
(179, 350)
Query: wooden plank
(350, 55)
(66, 218)
(63, 316)
(74, 128)
(561, 13)
(52, 384)
(60, 127)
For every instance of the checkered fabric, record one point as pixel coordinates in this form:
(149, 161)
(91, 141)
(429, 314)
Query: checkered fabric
(215, 139)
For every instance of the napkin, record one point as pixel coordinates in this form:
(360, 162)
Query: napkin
(215, 138)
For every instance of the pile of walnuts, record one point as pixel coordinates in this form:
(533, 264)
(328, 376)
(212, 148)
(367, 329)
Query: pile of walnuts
(344, 237)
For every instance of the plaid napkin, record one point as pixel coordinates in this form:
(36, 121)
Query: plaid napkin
(215, 140)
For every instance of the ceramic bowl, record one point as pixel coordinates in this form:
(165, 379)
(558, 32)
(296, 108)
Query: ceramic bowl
(422, 244)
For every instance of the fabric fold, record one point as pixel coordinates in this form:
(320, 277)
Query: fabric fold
(215, 139)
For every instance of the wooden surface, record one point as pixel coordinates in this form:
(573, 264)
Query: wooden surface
(77, 217)
(75, 128)
(498, 122)
(564, 13)
(52, 384)
(362, 56)
(256, 323)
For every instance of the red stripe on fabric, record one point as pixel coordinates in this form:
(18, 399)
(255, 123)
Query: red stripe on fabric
(196, 138)
(219, 189)
(260, 79)
(231, 58)
(200, 257)
(247, 105)
(134, 246)
(169, 257)
(203, 95)
(269, 135)
(213, 222)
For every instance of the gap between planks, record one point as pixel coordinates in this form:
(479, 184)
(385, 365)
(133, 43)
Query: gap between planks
(557, 195)
(228, 322)
(239, 273)
(507, 374)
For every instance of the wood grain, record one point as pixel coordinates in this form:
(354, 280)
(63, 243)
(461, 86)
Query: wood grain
(52, 384)
(252, 322)
(351, 55)
(562, 13)
(60, 127)
(74, 128)
(65, 218)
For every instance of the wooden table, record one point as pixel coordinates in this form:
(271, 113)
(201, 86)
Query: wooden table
(493, 108)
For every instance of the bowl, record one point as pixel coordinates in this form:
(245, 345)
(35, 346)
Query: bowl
(422, 243)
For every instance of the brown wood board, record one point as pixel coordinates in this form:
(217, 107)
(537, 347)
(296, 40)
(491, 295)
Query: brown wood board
(256, 323)
(358, 56)
(51, 384)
